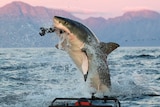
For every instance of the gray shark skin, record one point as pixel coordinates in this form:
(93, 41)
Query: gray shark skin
(86, 51)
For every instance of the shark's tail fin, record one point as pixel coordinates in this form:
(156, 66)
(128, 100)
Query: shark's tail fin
(107, 48)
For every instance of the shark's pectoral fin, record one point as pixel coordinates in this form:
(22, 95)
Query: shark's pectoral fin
(85, 65)
(108, 47)
(85, 76)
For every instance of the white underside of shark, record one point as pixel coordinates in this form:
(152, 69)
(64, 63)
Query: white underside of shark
(70, 44)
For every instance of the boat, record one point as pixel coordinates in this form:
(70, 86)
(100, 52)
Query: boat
(86, 102)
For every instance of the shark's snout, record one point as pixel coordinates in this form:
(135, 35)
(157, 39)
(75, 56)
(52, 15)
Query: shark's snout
(58, 19)
(60, 23)
(55, 20)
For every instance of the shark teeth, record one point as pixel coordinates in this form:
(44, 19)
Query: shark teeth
(64, 40)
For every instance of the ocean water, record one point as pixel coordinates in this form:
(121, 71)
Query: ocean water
(34, 77)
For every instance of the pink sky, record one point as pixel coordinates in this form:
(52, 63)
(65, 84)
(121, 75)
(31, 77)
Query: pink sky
(97, 8)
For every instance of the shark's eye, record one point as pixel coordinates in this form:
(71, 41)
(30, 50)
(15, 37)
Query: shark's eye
(61, 31)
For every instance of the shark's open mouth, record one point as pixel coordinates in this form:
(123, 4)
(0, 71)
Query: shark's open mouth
(63, 41)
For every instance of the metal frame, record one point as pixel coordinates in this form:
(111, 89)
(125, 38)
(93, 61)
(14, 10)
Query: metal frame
(105, 100)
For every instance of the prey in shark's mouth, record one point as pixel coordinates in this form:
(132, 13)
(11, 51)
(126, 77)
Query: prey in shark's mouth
(86, 51)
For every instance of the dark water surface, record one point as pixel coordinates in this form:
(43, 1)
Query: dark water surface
(34, 77)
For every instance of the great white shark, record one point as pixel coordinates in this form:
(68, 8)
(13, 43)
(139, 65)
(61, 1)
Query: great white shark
(86, 51)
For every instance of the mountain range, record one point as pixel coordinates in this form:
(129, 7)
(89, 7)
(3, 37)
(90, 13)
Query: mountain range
(20, 23)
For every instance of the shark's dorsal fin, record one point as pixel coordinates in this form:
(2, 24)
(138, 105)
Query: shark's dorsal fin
(107, 48)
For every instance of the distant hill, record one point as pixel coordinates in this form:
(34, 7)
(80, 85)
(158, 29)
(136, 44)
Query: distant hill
(20, 23)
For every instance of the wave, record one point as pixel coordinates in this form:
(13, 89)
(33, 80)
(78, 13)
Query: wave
(143, 56)
(22, 66)
(12, 98)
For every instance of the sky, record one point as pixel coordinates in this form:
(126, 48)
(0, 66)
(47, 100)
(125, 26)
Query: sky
(95, 8)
